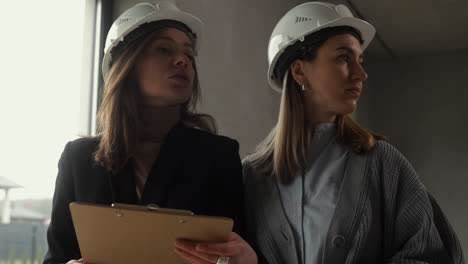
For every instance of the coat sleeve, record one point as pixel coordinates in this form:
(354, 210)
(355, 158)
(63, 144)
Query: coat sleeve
(61, 237)
(415, 229)
(447, 234)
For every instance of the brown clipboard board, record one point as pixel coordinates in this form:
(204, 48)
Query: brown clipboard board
(122, 234)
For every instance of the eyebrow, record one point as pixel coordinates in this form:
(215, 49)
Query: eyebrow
(349, 50)
(186, 44)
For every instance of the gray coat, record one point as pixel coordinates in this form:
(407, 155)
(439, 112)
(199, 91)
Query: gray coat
(384, 214)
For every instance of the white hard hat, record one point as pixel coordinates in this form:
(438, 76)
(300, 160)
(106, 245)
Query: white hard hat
(142, 14)
(304, 20)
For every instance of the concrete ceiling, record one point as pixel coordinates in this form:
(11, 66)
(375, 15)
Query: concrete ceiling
(404, 27)
(414, 27)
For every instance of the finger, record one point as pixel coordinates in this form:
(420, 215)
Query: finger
(232, 247)
(186, 245)
(74, 261)
(189, 247)
(233, 236)
(190, 257)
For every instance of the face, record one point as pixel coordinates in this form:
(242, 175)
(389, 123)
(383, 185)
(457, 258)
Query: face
(333, 80)
(165, 69)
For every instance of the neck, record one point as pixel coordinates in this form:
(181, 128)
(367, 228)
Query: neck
(156, 121)
(313, 118)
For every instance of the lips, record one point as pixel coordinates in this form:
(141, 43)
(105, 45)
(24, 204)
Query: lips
(180, 76)
(356, 91)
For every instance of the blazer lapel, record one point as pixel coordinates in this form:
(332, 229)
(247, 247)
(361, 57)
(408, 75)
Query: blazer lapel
(164, 170)
(123, 185)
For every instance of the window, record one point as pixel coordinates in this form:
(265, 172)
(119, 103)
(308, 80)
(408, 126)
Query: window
(41, 92)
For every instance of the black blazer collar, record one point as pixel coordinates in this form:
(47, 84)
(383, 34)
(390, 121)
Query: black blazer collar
(161, 175)
(165, 169)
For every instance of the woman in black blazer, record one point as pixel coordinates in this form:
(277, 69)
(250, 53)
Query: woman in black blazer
(151, 147)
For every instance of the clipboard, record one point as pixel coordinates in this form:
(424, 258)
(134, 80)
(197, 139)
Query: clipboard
(123, 233)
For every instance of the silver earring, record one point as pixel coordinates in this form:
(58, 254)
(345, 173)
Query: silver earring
(303, 87)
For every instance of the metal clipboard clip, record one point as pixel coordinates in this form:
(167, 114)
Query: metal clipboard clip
(151, 207)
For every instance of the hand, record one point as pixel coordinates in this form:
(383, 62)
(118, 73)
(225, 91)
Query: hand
(74, 261)
(238, 251)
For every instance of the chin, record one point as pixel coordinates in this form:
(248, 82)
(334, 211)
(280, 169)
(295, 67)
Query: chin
(180, 93)
(347, 109)
(178, 100)
(166, 99)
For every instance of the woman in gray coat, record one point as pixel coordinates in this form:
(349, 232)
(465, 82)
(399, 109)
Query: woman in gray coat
(319, 188)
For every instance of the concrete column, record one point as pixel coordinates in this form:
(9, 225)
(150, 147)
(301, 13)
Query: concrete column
(6, 208)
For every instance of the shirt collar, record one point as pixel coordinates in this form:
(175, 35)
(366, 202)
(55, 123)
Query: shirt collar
(324, 131)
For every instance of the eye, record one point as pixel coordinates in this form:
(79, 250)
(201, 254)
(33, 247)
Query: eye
(162, 50)
(165, 50)
(343, 57)
(190, 56)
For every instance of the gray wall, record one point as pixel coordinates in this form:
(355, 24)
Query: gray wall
(420, 103)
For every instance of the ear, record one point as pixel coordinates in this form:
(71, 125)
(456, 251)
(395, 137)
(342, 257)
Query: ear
(298, 71)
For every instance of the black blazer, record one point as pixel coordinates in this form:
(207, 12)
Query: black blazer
(195, 170)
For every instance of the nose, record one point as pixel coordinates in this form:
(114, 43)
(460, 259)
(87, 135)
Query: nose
(359, 73)
(181, 60)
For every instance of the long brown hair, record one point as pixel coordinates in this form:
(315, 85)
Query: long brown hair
(118, 116)
(284, 151)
